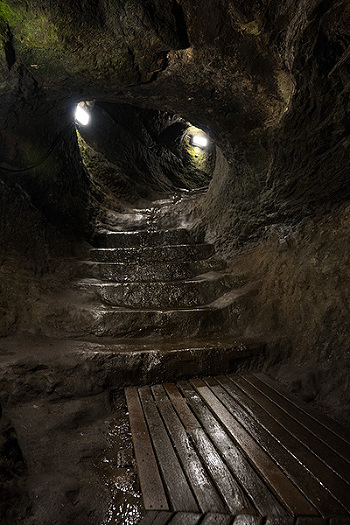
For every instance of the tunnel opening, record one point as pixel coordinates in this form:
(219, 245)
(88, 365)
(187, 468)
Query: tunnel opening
(136, 153)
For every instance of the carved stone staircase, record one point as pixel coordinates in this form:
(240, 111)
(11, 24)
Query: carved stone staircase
(148, 304)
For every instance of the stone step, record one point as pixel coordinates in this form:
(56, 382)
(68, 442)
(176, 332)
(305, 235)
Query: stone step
(88, 319)
(36, 367)
(180, 252)
(136, 239)
(170, 294)
(150, 271)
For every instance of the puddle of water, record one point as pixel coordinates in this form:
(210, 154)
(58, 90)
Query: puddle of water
(125, 506)
(117, 468)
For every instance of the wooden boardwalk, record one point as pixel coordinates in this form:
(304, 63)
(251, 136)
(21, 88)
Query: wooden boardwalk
(237, 449)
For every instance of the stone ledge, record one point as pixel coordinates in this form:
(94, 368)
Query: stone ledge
(43, 367)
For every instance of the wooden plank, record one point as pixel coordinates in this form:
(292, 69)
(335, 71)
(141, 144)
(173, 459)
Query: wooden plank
(163, 518)
(333, 445)
(286, 491)
(217, 519)
(279, 521)
(233, 495)
(255, 487)
(310, 521)
(202, 486)
(180, 494)
(149, 518)
(152, 488)
(277, 445)
(184, 412)
(248, 520)
(339, 521)
(332, 425)
(185, 518)
(286, 432)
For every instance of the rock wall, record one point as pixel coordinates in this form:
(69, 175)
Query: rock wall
(14, 503)
(299, 161)
(34, 258)
(302, 305)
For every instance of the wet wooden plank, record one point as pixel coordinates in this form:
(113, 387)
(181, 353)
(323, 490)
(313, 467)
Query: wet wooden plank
(163, 518)
(310, 521)
(277, 445)
(248, 520)
(149, 518)
(180, 494)
(233, 495)
(278, 423)
(202, 486)
(279, 521)
(217, 519)
(286, 491)
(332, 425)
(259, 493)
(185, 518)
(184, 412)
(326, 444)
(152, 488)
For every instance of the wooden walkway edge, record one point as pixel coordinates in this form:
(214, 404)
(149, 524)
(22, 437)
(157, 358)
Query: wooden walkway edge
(240, 450)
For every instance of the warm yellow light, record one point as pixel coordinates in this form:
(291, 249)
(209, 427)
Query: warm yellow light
(82, 115)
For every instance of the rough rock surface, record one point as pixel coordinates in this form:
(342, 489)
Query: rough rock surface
(14, 502)
(301, 309)
(79, 464)
(34, 257)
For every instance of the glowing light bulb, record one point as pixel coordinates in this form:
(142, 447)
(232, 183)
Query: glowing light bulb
(198, 140)
(82, 116)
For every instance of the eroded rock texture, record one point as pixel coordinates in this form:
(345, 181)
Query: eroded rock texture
(14, 503)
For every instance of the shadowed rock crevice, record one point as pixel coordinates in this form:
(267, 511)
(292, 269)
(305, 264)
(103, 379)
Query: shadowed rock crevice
(10, 53)
(181, 27)
(14, 503)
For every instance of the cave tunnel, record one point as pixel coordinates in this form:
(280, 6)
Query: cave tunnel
(174, 274)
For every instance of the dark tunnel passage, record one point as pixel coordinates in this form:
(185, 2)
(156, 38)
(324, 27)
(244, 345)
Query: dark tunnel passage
(197, 225)
(152, 152)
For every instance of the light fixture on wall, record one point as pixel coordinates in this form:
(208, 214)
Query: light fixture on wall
(82, 114)
(199, 140)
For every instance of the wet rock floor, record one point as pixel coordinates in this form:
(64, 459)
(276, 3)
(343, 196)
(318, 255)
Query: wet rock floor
(80, 461)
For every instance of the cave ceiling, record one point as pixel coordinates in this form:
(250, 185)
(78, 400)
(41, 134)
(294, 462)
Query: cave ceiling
(211, 61)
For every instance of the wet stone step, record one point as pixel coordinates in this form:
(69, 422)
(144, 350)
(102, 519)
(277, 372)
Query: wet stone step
(84, 367)
(179, 252)
(151, 271)
(142, 238)
(102, 321)
(177, 294)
